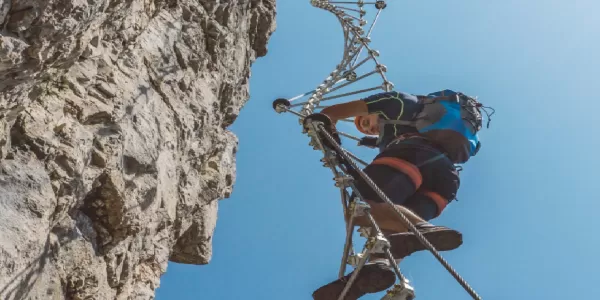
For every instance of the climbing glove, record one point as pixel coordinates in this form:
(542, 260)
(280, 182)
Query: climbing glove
(368, 141)
(327, 125)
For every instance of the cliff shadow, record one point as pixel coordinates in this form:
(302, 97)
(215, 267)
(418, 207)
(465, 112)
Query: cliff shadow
(20, 285)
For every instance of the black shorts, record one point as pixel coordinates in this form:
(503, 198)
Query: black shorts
(438, 173)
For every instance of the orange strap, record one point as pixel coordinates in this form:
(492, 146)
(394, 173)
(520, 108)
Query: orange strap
(440, 201)
(403, 166)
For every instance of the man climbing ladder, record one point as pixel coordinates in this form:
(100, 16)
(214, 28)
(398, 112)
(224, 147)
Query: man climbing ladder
(420, 138)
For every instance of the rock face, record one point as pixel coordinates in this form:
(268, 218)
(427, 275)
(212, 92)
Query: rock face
(113, 143)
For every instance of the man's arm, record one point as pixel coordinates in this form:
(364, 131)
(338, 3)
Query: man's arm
(392, 105)
(346, 110)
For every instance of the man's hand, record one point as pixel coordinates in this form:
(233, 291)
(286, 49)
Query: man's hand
(327, 124)
(368, 141)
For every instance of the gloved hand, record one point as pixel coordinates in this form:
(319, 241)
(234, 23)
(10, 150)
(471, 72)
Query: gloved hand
(368, 141)
(327, 124)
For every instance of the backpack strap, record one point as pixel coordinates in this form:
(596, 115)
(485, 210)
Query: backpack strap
(382, 124)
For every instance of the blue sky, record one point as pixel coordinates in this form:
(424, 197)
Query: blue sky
(528, 201)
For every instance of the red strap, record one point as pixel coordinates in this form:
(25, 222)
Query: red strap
(440, 201)
(403, 166)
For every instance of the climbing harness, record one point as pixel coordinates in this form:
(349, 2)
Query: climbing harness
(342, 162)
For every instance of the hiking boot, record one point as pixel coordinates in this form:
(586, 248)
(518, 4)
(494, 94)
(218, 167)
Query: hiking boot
(372, 278)
(442, 239)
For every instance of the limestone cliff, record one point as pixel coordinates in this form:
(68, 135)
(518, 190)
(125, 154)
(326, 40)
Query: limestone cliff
(113, 144)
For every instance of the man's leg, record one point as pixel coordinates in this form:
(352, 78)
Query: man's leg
(398, 182)
(436, 181)
(427, 205)
(387, 218)
(439, 187)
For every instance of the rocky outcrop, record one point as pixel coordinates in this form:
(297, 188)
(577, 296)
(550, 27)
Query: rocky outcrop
(113, 144)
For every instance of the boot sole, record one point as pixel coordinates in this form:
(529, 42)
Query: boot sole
(368, 281)
(376, 280)
(442, 240)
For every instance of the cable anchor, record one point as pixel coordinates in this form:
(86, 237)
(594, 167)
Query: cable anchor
(380, 4)
(350, 76)
(281, 105)
(400, 291)
(359, 208)
(330, 159)
(355, 259)
(364, 231)
(378, 243)
(343, 181)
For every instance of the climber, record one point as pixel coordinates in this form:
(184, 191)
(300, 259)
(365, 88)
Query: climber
(419, 141)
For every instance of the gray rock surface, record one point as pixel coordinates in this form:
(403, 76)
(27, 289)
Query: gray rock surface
(114, 150)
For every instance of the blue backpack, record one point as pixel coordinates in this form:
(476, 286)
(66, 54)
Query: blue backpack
(451, 120)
